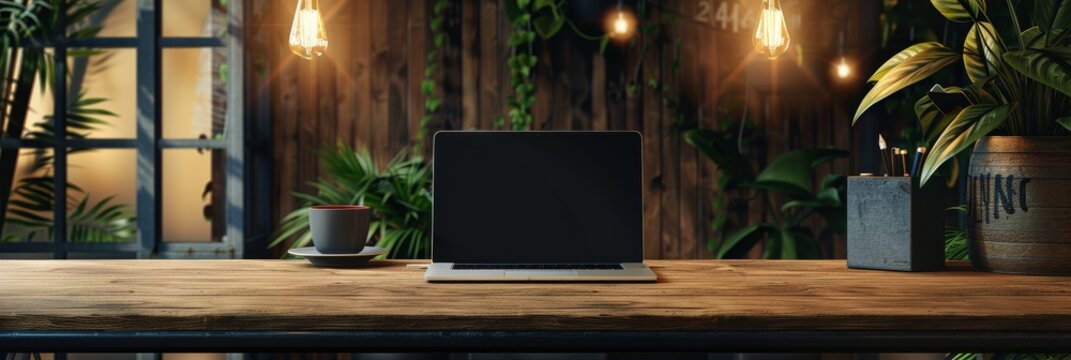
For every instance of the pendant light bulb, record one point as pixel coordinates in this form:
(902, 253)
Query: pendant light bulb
(771, 32)
(843, 70)
(307, 35)
(621, 26)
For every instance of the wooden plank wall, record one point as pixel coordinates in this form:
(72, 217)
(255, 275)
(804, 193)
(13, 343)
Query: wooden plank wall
(366, 92)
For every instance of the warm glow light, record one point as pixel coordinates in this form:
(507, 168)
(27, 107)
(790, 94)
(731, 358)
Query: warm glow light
(843, 70)
(621, 24)
(771, 32)
(307, 35)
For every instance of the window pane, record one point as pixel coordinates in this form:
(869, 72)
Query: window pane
(105, 81)
(103, 211)
(194, 93)
(40, 110)
(115, 18)
(194, 196)
(28, 217)
(194, 18)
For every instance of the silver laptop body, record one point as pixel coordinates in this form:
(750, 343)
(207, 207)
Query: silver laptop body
(538, 206)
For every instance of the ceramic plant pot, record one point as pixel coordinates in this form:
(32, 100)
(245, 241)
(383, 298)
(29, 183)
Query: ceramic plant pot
(1019, 205)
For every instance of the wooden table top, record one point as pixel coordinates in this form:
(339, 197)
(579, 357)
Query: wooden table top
(689, 295)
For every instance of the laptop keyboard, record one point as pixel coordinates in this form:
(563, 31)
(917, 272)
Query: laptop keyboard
(537, 267)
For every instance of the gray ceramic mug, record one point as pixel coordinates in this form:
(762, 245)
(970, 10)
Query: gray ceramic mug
(339, 229)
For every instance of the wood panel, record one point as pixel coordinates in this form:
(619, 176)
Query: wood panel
(746, 295)
(381, 74)
(366, 92)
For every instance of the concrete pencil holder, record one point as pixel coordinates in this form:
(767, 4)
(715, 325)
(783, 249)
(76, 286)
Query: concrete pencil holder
(895, 225)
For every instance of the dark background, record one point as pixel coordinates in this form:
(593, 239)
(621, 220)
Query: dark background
(366, 92)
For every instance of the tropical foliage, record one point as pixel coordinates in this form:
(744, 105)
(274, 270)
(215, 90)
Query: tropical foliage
(88, 220)
(956, 239)
(28, 208)
(789, 177)
(1018, 84)
(399, 196)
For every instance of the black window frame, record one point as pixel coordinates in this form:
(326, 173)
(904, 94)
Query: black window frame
(149, 142)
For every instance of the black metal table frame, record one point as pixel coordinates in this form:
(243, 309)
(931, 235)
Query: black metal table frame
(534, 341)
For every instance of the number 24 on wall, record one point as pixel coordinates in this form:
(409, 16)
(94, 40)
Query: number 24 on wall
(727, 14)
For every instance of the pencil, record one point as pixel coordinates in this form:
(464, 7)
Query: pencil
(892, 161)
(883, 148)
(903, 161)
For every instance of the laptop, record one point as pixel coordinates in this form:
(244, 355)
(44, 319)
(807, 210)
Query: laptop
(537, 206)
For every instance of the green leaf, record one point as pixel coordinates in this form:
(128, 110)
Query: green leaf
(900, 57)
(939, 127)
(833, 181)
(440, 5)
(776, 246)
(960, 10)
(1051, 67)
(605, 40)
(719, 220)
(737, 245)
(792, 172)
(1033, 38)
(789, 246)
(829, 197)
(910, 71)
(513, 12)
(1065, 122)
(516, 39)
(981, 52)
(822, 156)
(720, 147)
(1044, 11)
(1053, 17)
(540, 4)
(806, 246)
(836, 218)
(932, 121)
(926, 112)
(1060, 23)
(223, 72)
(432, 105)
(971, 124)
(547, 26)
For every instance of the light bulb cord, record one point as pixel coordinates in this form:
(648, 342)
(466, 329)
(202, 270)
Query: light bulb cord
(743, 116)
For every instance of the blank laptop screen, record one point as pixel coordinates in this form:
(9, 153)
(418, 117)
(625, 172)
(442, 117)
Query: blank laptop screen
(538, 197)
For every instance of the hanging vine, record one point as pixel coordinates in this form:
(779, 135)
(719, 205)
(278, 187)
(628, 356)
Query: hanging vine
(545, 18)
(431, 69)
(650, 32)
(521, 62)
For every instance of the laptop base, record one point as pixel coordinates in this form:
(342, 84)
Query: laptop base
(445, 272)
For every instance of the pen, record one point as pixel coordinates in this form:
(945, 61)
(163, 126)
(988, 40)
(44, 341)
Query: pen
(918, 160)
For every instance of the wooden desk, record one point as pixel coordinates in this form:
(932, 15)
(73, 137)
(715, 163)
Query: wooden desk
(697, 305)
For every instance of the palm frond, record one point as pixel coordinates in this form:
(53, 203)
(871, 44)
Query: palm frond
(399, 197)
(30, 211)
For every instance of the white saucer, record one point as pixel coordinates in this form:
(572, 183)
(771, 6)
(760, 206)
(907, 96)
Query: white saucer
(337, 260)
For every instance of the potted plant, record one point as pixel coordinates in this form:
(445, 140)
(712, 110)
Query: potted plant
(1016, 112)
